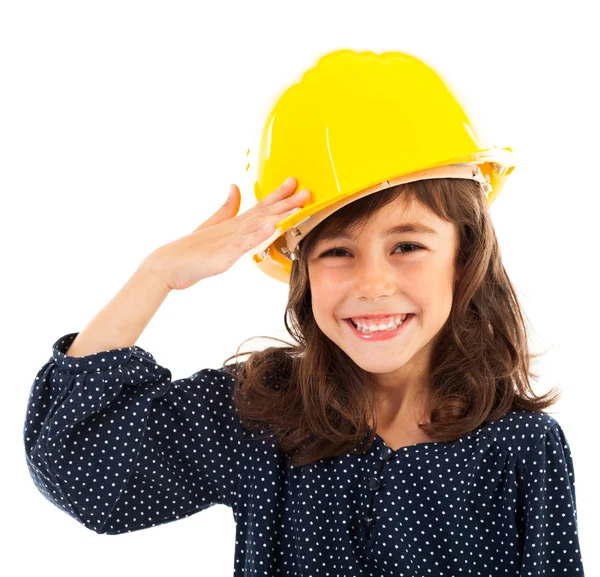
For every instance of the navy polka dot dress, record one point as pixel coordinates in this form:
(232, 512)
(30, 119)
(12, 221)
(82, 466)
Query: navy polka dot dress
(116, 444)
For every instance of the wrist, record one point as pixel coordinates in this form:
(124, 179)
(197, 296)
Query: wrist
(151, 273)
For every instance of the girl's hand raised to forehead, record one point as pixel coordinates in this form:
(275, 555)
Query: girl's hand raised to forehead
(221, 240)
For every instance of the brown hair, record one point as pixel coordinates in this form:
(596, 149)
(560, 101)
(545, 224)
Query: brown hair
(315, 400)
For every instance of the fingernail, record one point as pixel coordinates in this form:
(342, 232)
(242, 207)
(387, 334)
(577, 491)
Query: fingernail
(289, 180)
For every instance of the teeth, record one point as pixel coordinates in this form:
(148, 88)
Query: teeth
(382, 326)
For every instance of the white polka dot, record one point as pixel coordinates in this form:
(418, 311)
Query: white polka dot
(115, 443)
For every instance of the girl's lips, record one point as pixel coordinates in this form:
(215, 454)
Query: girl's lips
(383, 335)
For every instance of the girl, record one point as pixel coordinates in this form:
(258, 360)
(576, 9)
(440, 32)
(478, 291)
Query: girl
(399, 435)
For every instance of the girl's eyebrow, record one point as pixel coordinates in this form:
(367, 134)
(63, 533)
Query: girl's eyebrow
(416, 227)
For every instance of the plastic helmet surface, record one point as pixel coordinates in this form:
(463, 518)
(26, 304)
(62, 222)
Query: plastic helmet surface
(357, 123)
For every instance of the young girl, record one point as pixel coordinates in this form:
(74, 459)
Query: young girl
(399, 435)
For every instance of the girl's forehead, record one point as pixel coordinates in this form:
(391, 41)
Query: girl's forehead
(386, 218)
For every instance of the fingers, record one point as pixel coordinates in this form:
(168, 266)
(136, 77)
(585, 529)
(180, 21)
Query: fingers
(296, 200)
(234, 197)
(281, 201)
(280, 216)
(228, 209)
(287, 188)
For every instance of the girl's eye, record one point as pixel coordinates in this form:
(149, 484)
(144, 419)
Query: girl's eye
(403, 244)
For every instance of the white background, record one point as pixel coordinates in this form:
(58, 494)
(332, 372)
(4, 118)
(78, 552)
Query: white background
(122, 125)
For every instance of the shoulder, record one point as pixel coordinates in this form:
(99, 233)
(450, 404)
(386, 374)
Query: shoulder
(519, 432)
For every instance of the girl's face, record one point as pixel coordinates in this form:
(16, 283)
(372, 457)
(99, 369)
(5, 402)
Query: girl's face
(373, 273)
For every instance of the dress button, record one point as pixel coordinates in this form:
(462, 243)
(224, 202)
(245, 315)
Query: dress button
(374, 483)
(386, 453)
(368, 521)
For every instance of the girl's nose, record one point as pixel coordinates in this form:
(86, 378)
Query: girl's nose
(375, 281)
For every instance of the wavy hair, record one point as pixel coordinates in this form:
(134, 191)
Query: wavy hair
(315, 400)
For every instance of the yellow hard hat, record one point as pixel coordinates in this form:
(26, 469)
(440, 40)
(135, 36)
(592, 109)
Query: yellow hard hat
(357, 123)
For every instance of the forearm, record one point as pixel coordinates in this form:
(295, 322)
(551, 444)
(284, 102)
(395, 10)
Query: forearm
(121, 322)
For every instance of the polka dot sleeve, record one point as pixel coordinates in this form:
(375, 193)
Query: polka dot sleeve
(113, 442)
(550, 531)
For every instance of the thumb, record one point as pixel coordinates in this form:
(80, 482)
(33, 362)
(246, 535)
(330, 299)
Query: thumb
(227, 210)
